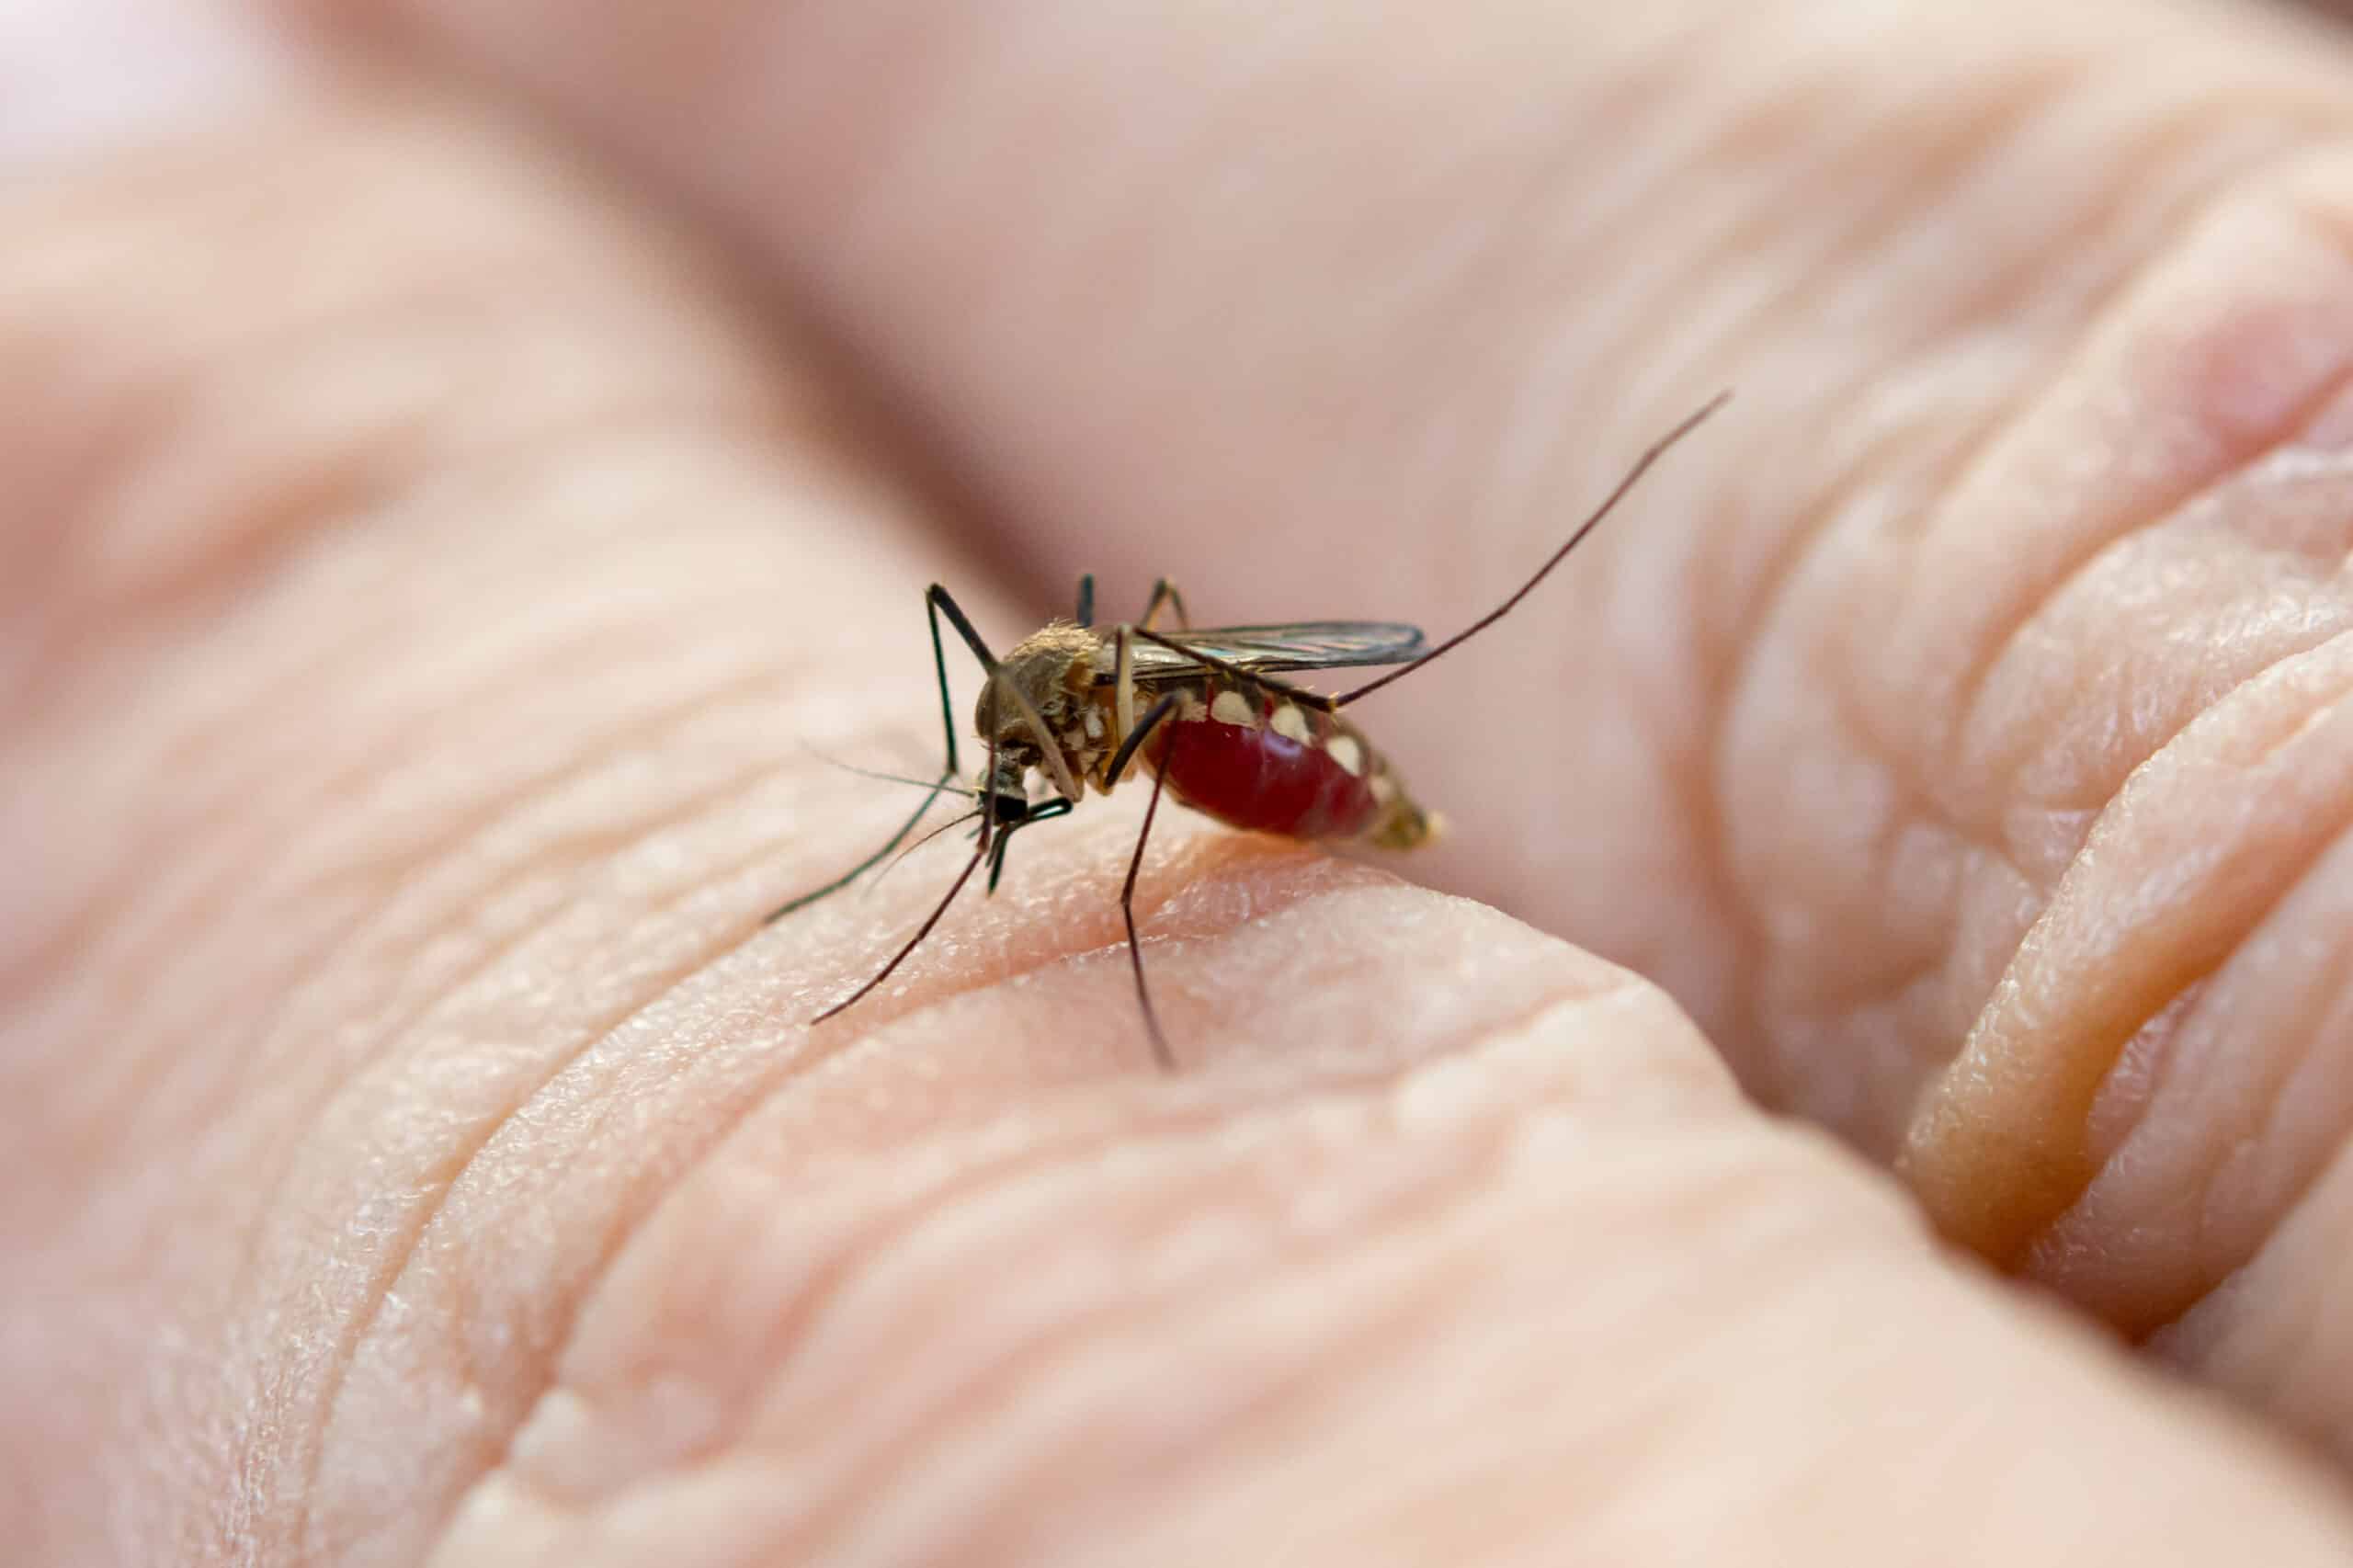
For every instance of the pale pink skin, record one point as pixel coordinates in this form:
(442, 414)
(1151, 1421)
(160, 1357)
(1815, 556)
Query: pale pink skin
(428, 563)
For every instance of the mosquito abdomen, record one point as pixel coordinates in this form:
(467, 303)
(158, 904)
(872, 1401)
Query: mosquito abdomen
(1254, 760)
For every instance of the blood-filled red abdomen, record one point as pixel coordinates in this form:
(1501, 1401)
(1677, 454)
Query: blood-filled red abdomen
(1252, 776)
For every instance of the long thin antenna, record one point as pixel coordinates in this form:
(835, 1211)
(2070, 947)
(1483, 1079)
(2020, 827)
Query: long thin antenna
(1641, 466)
(883, 777)
(951, 822)
(906, 827)
(915, 942)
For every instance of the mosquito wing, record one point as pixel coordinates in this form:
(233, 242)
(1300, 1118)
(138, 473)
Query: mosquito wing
(1293, 646)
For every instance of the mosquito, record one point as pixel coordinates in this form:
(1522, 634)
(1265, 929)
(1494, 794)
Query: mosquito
(1204, 712)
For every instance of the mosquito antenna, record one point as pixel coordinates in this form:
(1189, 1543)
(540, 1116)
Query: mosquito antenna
(915, 942)
(926, 838)
(1641, 466)
(906, 827)
(890, 777)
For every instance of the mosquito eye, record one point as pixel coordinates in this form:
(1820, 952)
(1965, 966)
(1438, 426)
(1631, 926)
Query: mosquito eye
(1012, 808)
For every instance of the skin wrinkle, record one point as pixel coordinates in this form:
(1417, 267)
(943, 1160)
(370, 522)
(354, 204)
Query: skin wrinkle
(1707, 808)
(153, 417)
(951, 1417)
(357, 654)
(963, 1418)
(613, 842)
(1074, 1338)
(350, 1342)
(234, 881)
(852, 1256)
(157, 420)
(2217, 1263)
(510, 672)
(1959, 145)
(1972, 472)
(1995, 1223)
(2271, 1134)
(1954, 149)
(1965, 823)
(2282, 1379)
(593, 1039)
(1889, 758)
(2193, 487)
(790, 1065)
(915, 1209)
(2208, 485)
(304, 673)
(254, 351)
(1965, 467)
(1958, 473)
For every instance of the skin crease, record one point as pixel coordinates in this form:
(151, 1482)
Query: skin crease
(430, 563)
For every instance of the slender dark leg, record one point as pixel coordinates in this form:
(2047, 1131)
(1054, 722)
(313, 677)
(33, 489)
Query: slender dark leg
(941, 604)
(1086, 615)
(1144, 726)
(1160, 1051)
(915, 942)
(1641, 466)
(932, 602)
(1164, 592)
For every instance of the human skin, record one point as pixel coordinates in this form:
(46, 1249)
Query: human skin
(442, 519)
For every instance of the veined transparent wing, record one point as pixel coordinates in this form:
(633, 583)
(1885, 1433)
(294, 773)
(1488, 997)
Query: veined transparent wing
(1292, 645)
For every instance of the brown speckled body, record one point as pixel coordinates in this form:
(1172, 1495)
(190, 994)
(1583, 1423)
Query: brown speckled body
(1241, 750)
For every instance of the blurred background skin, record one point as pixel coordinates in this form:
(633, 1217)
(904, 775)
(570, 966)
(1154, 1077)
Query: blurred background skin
(460, 458)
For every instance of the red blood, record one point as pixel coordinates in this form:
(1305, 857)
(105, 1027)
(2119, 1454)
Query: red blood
(1255, 778)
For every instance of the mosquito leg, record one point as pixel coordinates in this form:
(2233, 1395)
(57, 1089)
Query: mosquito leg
(915, 942)
(1135, 738)
(941, 604)
(1086, 615)
(1160, 1051)
(989, 848)
(1123, 682)
(933, 599)
(1641, 466)
(1164, 592)
(1236, 673)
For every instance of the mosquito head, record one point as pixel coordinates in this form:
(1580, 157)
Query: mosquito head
(1032, 707)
